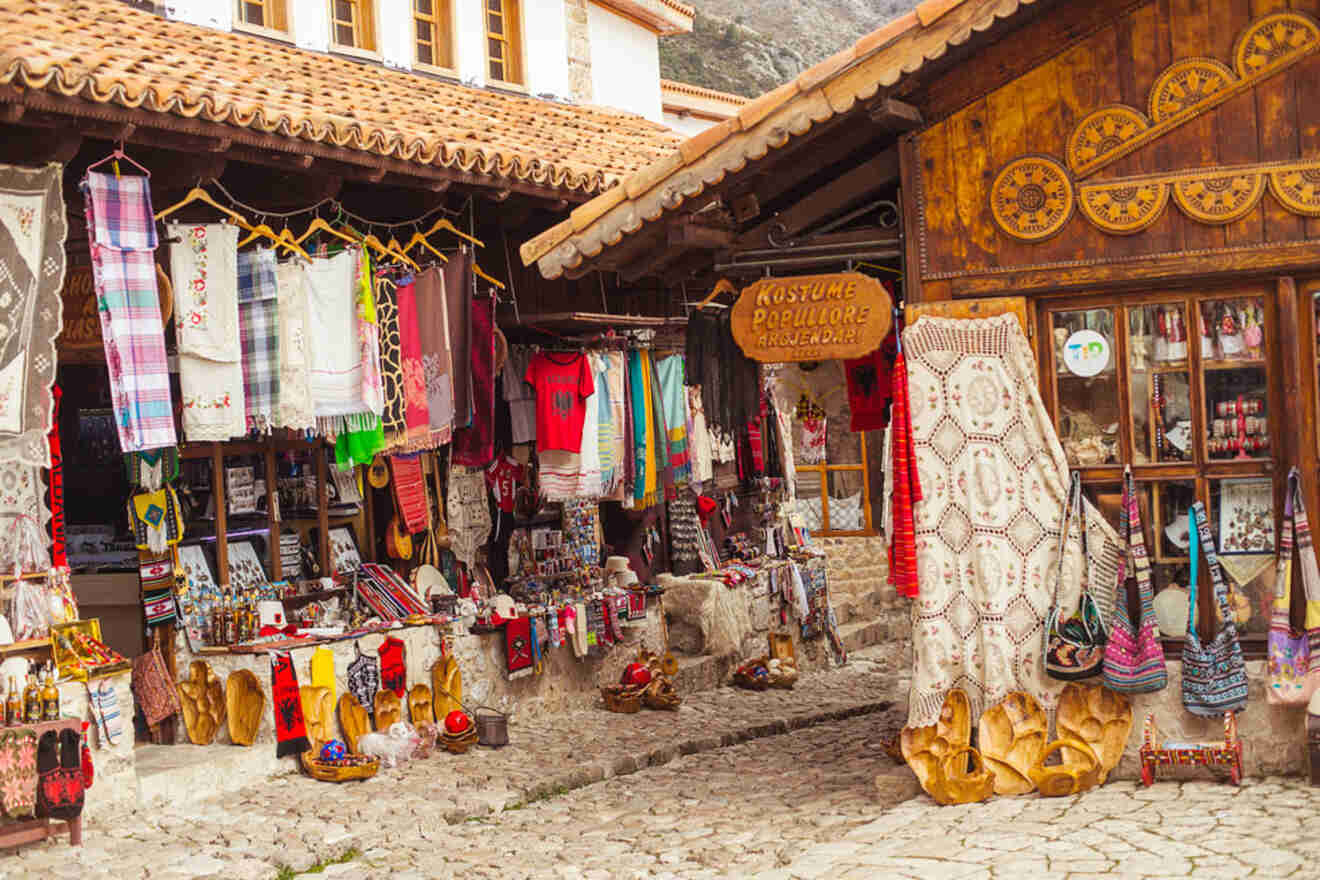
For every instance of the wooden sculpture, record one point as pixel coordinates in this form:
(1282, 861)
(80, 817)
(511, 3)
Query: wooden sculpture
(388, 709)
(1012, 736)
(420, 709)
(1073, 776)
(353, 720)
(244, 703)
(318, 713)
(203, 701)
(925, 748)
(1098, 717)
(446, 686)
(963, 778)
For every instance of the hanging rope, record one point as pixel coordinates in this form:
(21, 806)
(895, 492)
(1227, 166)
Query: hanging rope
(339, 207)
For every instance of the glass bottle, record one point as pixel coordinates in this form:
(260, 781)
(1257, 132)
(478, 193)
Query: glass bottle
(50, 697)
(14, 705)
(31, 700)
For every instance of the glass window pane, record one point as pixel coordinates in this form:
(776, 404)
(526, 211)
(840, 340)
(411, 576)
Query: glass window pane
(1233, 329)
(1242, 519)
(424, 7)
(496, 49)
(497, 71)
(344, 35)
(494, 5)
(424, 54)
(1168, 540)
(495, 24)
(343, 10)
(423, 31)
(846, 501)
(1159, 387)
(808, 503)
(1236, 390)
(254, 14)
(1086, 379)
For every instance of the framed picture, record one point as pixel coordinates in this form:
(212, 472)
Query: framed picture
(245, 569)
(1246, 516)
(344, 555)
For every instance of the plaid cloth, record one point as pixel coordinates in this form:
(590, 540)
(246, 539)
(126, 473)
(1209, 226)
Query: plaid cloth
(123, 238)
(259, 325)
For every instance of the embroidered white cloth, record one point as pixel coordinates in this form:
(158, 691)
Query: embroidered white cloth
(295, 408)
(32, 230)
(24, 542)
(204, 269)
(589, 475)
(467, 512)
(333, 350)
(994, 479)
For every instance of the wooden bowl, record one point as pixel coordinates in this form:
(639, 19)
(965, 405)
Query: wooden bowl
(1012, 735)
(963, 778)
(244, 703)
(420, 708)
(388, 709)
(1098, 717)
(318, 713)
(337, 772)
(353, 720)
(925, 748)
(1070, 776)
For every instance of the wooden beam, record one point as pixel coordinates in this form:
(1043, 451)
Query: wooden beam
(895, 115)
(745, 207)
(272, 158)
(687, 235)
(30, 146)
(847, 189)
(11, 112)
(188, 169)
(910, 219)
(653, 264)
(499, 195)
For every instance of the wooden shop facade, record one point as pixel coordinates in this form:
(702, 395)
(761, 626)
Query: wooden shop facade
(1138, 181)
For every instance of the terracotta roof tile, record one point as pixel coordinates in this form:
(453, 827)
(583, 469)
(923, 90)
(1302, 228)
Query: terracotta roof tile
(106, 51)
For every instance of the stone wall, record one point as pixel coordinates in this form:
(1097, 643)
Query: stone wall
(579, 50)
(866, 604)
(114, 787)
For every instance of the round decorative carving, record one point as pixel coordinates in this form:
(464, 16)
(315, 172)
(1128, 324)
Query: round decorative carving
(1124, 207)
(1219, 198)
(1032, 197)
(1273, 39)
(1298, 188)
(1101, 134)
(1186, 84)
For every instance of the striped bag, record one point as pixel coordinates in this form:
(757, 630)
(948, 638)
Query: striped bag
(1214, 674)
(1294, 667)
(1134, 657)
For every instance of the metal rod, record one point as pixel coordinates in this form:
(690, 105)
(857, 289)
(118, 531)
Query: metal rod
(807, 261)
(769, 252)
(854, 214)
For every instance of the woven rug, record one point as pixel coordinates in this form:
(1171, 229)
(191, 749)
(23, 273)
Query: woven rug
(994, 479)
(32, 228)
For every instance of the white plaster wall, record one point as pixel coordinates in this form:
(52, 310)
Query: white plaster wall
(688, 126)
(209, 13)
(394, 33)
(545, 34)
(470, 41)
(625, 64)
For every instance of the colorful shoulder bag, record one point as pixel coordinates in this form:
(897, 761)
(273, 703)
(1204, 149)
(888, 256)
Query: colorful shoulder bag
(1134, 657)
(1075, 649)
(1214, 674)
(1294, 668)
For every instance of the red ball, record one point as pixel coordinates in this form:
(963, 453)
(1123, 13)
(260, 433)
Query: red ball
(636, 675)
(457, 722)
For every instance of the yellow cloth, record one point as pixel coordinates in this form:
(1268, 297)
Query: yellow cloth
(652, 441)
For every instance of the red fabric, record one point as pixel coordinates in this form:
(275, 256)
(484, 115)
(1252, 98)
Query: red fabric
(410, 492)
(870, 386)
(58, 557)
(474, 446)
(286, 700)
(503, 477)
(417, 411)
(562, 384)
(393, 672)
(907, 489)
(518, 646)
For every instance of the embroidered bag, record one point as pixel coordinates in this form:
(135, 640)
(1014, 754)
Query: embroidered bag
(1214, 675)
(1075, 649)
(156, 519)
(1291, 652)
(1134, 657)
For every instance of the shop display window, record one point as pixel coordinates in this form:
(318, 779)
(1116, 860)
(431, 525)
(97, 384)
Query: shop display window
(1179, 385)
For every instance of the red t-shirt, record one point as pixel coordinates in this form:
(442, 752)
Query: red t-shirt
(562, 383)
(503, 476)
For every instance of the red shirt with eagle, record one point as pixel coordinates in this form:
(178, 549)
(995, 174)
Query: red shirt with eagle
(562, 382)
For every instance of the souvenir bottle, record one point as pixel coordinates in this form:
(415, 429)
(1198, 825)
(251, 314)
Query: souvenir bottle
(14, 705)
(4, 720)
(50, 698)
(31, 700)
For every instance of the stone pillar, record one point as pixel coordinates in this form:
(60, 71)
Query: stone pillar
(579, 51)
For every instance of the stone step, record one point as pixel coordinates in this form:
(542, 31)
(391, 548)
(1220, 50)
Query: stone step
(183, 773)
(863, 634)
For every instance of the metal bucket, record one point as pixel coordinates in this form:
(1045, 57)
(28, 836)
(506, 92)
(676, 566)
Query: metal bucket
(492, 727)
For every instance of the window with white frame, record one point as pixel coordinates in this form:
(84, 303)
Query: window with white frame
(353, 25)
(504, 41)
(433, 33)
(264, 15)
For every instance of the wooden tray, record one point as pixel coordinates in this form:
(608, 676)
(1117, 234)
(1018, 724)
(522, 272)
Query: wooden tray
(353, 720)
(925, 748)
(244, 703)
(318, 713)
(337, 772)
(1012, 735)
(1098, 717)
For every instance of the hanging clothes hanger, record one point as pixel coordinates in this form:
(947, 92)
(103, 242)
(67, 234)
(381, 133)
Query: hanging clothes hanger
(319, 225)
(477, 270)
(197, 194)
(419, 239)
(443, 223)
(286, 236)
(262, 230)
(117, 154)
(721, 286)
(395, 248)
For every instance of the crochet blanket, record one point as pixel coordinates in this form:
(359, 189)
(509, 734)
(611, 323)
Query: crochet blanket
(994, 479)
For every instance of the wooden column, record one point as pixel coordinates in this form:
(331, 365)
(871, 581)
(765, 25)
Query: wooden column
(908, 199)
(273, 516)
(322, 509)
(221, 514)
(1292, 422)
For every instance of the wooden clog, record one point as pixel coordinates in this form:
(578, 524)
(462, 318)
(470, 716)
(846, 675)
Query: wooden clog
(1012, 735)
(353, 720)
(244, 703)
(388, 709)
(1071, 776)
(963, 778)
(1098, 717)
(446, 686)
(925, 748)
(420, 709)
(318, 713)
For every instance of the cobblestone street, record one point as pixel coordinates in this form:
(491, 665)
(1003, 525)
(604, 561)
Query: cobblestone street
(704, 793)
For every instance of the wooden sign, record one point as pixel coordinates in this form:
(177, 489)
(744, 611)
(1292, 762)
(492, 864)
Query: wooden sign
(82, 323)
(812, 318)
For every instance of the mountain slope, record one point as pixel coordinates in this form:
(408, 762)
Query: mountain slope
(750, 46)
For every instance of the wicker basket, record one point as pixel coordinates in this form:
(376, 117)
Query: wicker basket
(337, 772)
(785, 679)
(661, 694)
(621, 699)
(458, 743)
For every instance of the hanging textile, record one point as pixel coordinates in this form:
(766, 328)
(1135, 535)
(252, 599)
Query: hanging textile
(605, 431)
(617, 384)
(467, 512)
(156, 577)
(18, 772)
(286, 702)
(363, 678)
(153, 687)
(259, 331)
(23, 519)
(474, 446)
(987, 527)
(58, 557)
(645, 463)
(393, 669)
(122, 238)
(417, 410)
(394, 417)
(589, 450)
(437, 356)
(295, 409)
(334, 354)
(660, 434)
(562, 383)
(32, 230)
(204, 269)
(519, 395)
(906, 490)
(703, 463)
(519, 647)
(728, 379)
(870, 385)
(458, 302)
(673, 394)
(410, 492)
